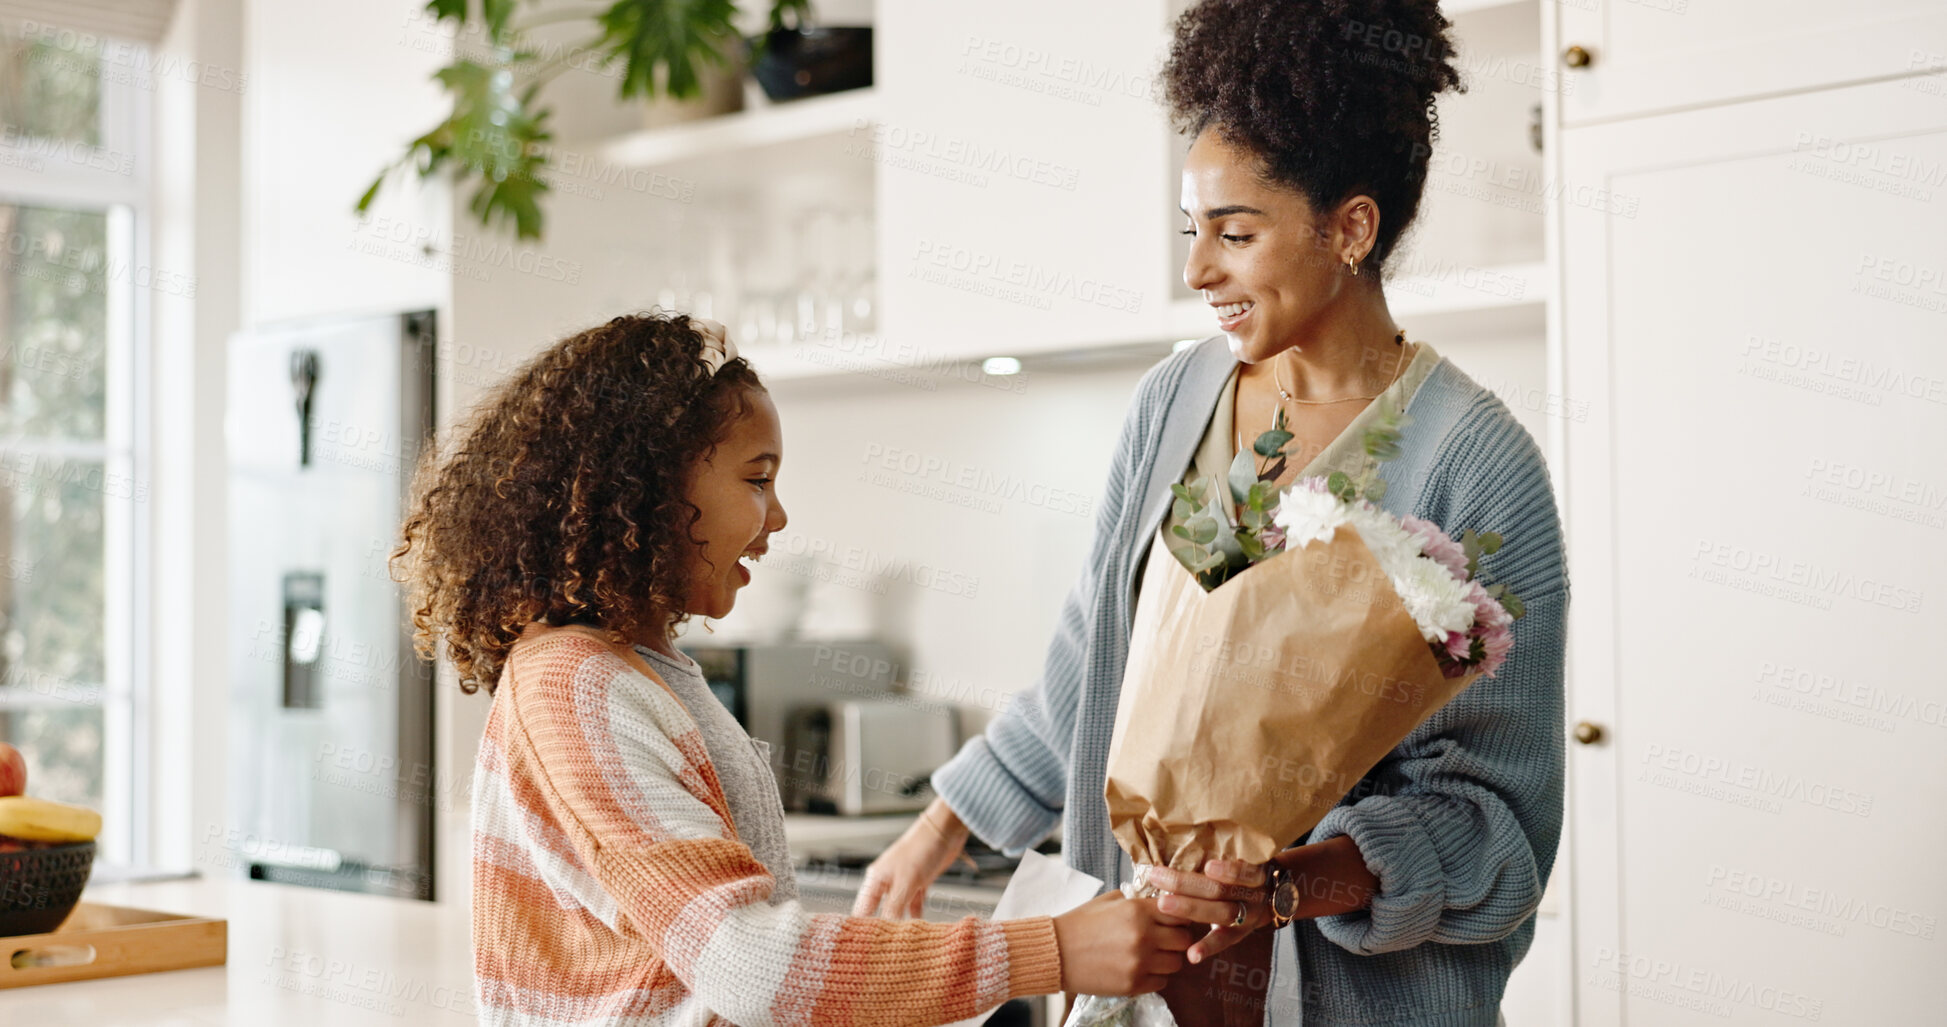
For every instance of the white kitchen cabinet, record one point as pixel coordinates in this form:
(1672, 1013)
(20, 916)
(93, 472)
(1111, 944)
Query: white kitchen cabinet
(1756, 509)
(1023, 179)
(1645, 56)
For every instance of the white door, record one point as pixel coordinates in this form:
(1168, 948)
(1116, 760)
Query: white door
(1755, 309)
(1656, 55)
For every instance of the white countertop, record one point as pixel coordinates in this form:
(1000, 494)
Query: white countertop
(297, 956)
(305, 956)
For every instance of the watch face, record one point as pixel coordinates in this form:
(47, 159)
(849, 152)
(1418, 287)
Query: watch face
(1284, 901)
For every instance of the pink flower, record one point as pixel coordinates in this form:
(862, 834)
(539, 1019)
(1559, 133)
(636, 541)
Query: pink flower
(1460, 645)
(1496, 642)
(1437, 546)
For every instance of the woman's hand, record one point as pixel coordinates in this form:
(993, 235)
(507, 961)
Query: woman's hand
(895, 884)
(1113, 945)
(1215, 897)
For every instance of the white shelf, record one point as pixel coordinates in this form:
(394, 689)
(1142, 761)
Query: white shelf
(1455, 8)
(729, 136)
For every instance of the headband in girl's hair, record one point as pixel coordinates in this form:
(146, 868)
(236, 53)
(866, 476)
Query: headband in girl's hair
(717, 347)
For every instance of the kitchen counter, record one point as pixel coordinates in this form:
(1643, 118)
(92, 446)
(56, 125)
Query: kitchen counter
(304, 956)
(297, 956)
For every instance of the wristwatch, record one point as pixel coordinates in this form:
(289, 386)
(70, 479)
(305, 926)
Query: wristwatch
(1284, 896)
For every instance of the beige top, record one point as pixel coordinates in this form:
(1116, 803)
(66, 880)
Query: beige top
(1345, 453)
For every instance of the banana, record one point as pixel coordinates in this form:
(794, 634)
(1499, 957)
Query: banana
(40, 820)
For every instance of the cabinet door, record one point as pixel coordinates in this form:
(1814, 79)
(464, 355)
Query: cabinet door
(1658, 55)
(1022, 175)
(1755, 313)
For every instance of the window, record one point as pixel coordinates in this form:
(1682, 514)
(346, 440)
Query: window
(73, 487)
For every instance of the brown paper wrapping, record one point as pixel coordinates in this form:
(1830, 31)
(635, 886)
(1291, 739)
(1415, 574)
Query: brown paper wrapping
(1248, 712)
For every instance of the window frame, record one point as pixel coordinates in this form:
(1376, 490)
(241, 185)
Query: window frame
(125, 696)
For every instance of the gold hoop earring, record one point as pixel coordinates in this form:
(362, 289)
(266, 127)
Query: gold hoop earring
(1352, 266)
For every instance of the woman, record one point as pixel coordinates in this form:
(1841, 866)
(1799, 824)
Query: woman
(628, 842)
(1417, 893)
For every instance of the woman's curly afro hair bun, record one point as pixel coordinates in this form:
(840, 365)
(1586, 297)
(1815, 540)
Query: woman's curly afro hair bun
(1336, 96)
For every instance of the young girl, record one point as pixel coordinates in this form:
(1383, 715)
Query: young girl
(628, 843)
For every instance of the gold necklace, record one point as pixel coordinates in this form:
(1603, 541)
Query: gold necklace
(1399, 341)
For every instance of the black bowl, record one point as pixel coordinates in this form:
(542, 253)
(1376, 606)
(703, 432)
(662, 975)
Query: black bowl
(39, 886)
(794, 63)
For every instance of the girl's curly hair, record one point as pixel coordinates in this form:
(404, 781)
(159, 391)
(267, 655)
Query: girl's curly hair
(1336, 96)
(563, 502)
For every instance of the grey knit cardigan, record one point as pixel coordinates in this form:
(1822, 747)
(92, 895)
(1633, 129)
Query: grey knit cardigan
(1459, 823)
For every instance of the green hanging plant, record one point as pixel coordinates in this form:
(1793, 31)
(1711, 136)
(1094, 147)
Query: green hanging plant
(496, 136)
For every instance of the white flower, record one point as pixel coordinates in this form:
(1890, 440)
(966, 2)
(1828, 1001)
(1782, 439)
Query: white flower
(1438, 602)
(1308, 516)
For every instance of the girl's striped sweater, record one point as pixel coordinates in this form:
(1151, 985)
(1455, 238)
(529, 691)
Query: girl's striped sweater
(610, 887)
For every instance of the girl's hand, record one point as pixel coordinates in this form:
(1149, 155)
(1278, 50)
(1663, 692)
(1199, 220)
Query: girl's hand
(1113, 945)
(1214, 897)
(895, 884)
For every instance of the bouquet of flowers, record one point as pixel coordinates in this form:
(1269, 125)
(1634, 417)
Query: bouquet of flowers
(1279, 657)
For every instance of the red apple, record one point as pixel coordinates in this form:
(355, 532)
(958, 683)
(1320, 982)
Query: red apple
(13, 771)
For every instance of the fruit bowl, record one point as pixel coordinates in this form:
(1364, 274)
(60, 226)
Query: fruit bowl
(40, 884)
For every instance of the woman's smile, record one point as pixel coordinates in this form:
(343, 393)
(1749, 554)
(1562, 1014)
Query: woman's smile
(1231, 315)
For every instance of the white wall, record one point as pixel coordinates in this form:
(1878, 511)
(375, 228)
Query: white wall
(197, 234)
(335, 92)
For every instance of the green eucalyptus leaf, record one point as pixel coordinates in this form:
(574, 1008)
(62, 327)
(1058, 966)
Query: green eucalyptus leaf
(1204, 530)
(1512, 603)
(1263, 494)
(1243, 473)
(1376, 489)
(1339, 484)
(1182, 491)
(1180, 531)
(1490, 543)
(1253, 549)
(1211, 562)
(1271, 443)
(1254, 520)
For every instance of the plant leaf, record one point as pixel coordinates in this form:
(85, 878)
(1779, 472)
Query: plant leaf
(1271, 443)
(1273, 472)
(646, 34)
(1253, 549)
(1203, 530)
(1376, 489)
(1181, 532)
(1512, 603)
(1243, 474)
(1490, 543)
(1182, 491)
(1340, 485)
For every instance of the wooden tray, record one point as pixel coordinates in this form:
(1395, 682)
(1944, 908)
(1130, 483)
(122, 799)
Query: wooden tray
(108, 941)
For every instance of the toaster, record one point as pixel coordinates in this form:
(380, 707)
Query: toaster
(864, 755)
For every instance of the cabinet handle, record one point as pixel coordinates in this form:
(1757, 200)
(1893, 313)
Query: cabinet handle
(1577, 57)
(1588, 733)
